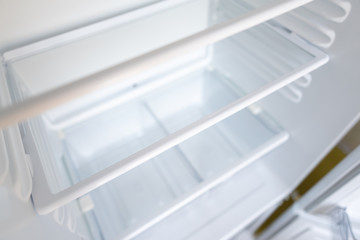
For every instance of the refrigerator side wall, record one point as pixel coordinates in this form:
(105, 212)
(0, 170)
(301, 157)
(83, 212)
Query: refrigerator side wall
(330, 107)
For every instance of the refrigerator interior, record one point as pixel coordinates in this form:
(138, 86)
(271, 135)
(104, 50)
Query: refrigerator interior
(79, 139)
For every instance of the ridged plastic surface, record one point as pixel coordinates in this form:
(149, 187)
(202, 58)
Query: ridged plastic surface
(313, 21)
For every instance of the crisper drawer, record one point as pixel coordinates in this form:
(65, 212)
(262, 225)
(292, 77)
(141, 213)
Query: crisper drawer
(144, 113)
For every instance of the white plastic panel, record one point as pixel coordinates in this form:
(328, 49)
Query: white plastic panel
(25, 22)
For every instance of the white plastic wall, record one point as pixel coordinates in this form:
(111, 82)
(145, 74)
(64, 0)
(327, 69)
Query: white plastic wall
(22, 22)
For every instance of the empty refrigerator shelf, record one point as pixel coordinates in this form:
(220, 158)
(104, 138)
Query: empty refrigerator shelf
(105, 134)
(179, 175)
(124, 130)
(167, 135)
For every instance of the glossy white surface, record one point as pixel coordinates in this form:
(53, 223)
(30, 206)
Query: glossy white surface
(51, 18)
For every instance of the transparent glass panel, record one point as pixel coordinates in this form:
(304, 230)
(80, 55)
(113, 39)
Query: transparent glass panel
(146, 191)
